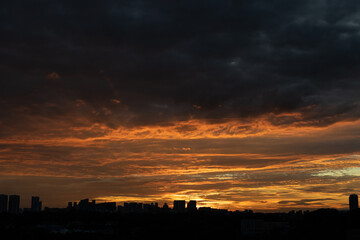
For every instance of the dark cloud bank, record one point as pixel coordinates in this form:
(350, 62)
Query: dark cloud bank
(153, 62)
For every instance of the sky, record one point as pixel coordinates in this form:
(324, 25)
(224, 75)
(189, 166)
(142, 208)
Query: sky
(236, 104)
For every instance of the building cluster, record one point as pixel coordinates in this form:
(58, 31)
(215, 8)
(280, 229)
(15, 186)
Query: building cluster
(179, 206)
(132, 207)
(11, 204)
(86, 205)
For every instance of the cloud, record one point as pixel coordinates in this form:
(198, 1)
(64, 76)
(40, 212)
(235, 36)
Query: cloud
(306, 202)
(251, 59)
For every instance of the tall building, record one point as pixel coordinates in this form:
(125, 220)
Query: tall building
(14, 204)
(85, 204)
(3, 203)
(179, 205)
(353, 202)
(36, 204)
(191, 206)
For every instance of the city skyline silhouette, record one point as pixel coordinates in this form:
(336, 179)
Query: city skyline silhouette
(11, 204)
(87, 219)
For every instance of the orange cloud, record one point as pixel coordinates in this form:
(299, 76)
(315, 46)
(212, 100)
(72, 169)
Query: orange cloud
(234, 165)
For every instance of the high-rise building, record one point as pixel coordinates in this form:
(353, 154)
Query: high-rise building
(353, 202)
(84, 204)
(36, 204)
(3, 203)
(14, 204)
(179, 205)
(191, 206)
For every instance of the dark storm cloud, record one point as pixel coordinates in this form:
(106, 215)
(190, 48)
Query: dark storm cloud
(152, 62)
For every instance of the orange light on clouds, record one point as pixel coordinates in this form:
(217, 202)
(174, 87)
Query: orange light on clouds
(232, 165)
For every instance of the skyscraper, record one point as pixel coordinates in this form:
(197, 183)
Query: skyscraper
(3, 203)
(14, 204)
(353, 202)
(191, 206)
(35, 204)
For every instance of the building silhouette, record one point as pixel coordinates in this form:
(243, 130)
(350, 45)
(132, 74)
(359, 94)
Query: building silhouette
(353, 202)
(191, 206)
(91, 206)
(85, 205)
(151, 207)
(3, 203)
(36, 204)
(179, 205)
(14, 204)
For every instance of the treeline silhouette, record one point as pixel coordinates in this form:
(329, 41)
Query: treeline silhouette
(75, 224)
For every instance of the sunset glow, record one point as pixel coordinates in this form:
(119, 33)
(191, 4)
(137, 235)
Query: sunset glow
(238, 106)
(264, 167)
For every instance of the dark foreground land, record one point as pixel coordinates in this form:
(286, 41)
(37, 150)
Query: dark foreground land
(319, 224)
